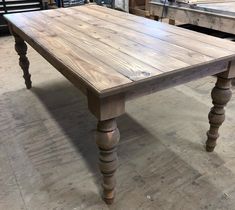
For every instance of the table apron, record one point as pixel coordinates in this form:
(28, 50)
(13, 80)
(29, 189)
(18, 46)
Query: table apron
(175, 78)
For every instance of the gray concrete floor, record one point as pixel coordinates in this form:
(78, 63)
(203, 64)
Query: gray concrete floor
(48, 154)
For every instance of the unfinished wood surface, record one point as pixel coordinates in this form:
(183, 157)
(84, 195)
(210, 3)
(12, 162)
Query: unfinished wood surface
(106, 108)
(138, 39)
(152, 28)
(220, 7)
(217, 16)
(107, 61)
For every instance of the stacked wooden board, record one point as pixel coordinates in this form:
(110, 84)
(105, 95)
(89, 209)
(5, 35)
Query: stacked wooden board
(216, 16)
(68, 3)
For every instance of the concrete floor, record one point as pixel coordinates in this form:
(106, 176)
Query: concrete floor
(48, 155)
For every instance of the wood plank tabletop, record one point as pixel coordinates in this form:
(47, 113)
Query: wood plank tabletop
(107, 50)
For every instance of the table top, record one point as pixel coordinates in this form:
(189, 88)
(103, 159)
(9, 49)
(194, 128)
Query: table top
(108, 50)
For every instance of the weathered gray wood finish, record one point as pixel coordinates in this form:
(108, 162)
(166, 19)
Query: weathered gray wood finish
(220, 94)
(217, 16)
(113, 57)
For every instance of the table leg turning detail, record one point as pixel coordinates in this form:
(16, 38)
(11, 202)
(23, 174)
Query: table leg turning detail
(221, 94)
(21, 49)
(107, 138)
(106, 110)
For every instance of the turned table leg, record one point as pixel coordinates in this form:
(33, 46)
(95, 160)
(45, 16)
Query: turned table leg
(21, 49)
(220, 94)
(107, 138)
(106, 110)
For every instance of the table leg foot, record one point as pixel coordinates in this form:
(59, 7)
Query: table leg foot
(221, 94)
(107, 139)
(21, 49)
(209, 148)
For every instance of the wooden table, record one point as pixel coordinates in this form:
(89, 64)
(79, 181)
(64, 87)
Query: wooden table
(217, 16)
(114, 57)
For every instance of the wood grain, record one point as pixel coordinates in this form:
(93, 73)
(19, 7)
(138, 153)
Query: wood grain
(154, 25)
(116, 55)
(220, 18)
(137, 38)
(151, 28)
(109, 52)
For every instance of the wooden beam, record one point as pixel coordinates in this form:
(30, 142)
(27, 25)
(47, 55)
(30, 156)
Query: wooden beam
(201, 18)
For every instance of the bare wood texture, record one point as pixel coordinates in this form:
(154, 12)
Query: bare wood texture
(220, 94)
(125, 52)
(21, 49)
(220, 7)
(168, 80)
(219, 16)
(107, 138)
(230, 73)
(106, 108)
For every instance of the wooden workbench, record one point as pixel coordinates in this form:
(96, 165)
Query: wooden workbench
(113, 57)
(217, 16)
